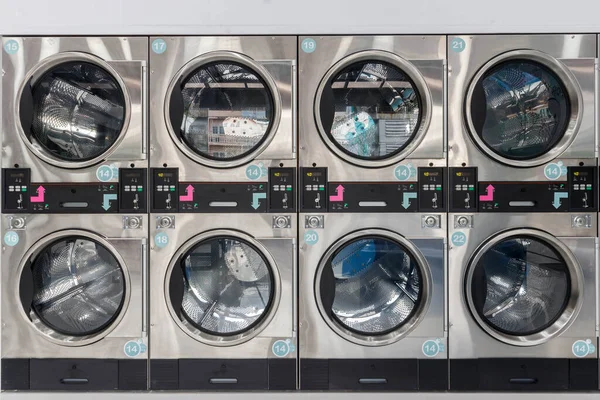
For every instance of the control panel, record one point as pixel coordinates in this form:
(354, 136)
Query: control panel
(582, 185)
(223, 197)
(463, 189)
(432, 189)
(313, 186)
(15, 193)
(133, 193)
(282, 190)
(165, 190)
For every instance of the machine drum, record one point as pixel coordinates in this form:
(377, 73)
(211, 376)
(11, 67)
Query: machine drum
(227, 111)
(78, 111)
(78, 286)
(378, 285)
(228, 286)
(371, 110)
(520, 286)
(520, 109)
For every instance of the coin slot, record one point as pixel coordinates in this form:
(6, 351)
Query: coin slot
(223, 204)
(522, 203)
(74, 204)
(372, 204)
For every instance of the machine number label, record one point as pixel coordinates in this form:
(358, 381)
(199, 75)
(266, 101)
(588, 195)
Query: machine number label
(282, 348)
(554, 171)
(11, 47)
(134, 348)
(106, 173)
(308, 45)
(11, 238)
(311, 237)
(161, 240)
(457, 45)
(432, 348)
(254, 172)
(159, 46)
(583, 348)
(405, 172)
(458, 239)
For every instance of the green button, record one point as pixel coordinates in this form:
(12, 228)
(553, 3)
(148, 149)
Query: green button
(172, 189)
(289, 189)
(438, 188)
(24, 189)
(139, 188)
(322, 188)
(471, 188)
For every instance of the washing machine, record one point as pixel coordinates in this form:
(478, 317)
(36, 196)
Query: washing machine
(222, 109)
(73, 302)
(223, 305)
(371, 107)
(521, 107)
(372, 302)
(74, 108)
(523, 289)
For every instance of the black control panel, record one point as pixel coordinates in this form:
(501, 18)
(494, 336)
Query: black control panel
(223, 197)
(373, 197)
(165, 190)
(432, 189)
(463, 189)
(582, 186)
(282, 190)
(133, 190)
(15, 193)
(313, 189)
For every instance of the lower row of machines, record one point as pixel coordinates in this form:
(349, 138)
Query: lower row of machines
(437, 282)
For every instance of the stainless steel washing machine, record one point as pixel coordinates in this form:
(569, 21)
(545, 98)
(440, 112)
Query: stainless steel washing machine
(223, 108)
(73, 302)
(223, 304)
(74, 108)
(372, 302)
(521, 107)
(371, 107)
(522, 293)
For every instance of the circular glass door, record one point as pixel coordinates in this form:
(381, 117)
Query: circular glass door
(522, 287)
(73, 288)
(372, 288)
(74, 112)
(223, 108)
(370, 109)
(222, 289)
(521, 111)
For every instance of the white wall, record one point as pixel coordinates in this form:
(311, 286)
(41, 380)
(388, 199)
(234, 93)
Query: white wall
(144, 17)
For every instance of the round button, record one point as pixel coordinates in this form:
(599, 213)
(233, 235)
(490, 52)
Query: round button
(165, 222)
(430, 222)
(281, 222)
(462, 221)
(579, 221)
(18, 223)
(133, 222)
(313, 222)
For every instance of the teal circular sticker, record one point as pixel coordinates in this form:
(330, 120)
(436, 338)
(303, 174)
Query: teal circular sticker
(311, 237)
(104, 173)
(457, 45)
(308, 45)
(281, 348)
(554, 171)
(254, 172)
(404, 172)
(431, 348)
(159, 46)
(132, 348)
(458, 239)
(161, 239)
(11, 238)
(583, 348)
(11, 46)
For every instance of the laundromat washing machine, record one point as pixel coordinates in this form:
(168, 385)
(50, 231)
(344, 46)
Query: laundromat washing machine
(222, 109)
(522, 286)
(521, 108)
(371, 107)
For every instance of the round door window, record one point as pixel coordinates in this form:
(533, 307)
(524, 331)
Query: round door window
(227, 111)
(371, 110)
(371, 286)
(520, 286)
(78, 286)
(520, 109)
(228, 286)
(77, 111)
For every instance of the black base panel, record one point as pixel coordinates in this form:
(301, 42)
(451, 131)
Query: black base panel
(74, 374)
(377, 375)
(223, 374)
(524, 374)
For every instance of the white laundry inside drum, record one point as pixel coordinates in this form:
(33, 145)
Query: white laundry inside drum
(78, 111)
(228, 286)
(228, 111)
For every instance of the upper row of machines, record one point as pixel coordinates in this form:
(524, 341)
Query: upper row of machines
(348, 111)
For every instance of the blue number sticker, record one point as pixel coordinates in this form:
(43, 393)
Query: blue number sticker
(159, 46)
(583, 348)
(134, 348)
(405, 172)
(457, 45)
(11, 238)
(311, 237)
(254, 172)
(161, 239)
(308, 45)
(281, 348)
(458, 239)
(432, 348)
(554, 171)
(104, 173)
(11, 46)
